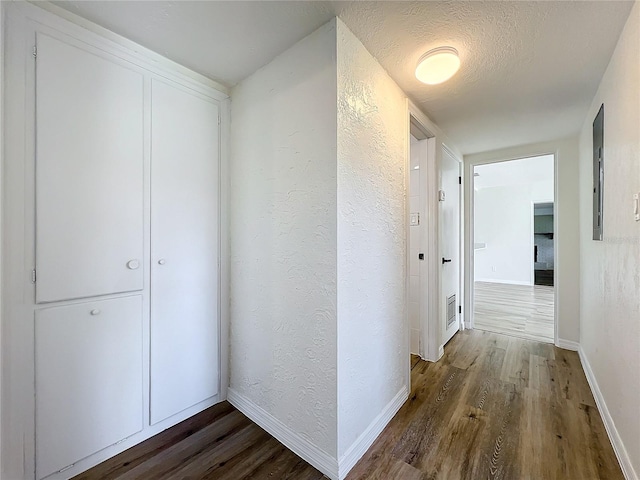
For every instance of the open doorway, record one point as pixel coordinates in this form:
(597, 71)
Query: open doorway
(514, 248)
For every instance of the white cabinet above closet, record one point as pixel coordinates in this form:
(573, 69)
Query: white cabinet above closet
(89, 173)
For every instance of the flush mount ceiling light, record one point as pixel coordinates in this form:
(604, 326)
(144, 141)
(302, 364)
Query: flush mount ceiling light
(438, 65)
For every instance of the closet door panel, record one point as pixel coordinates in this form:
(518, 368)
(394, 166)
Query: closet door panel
(88, 379)
(184, 250)
(89, 173)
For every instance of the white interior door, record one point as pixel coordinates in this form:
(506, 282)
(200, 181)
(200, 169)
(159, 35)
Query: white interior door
(449, 245)
(184, 250)
(88, 379)
(89, 173)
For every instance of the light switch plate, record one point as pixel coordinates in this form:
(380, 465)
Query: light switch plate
(414, 219)
(441, 195)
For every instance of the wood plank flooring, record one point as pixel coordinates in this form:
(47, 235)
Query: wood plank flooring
(494, 407)
(219, 443)
(520, 310)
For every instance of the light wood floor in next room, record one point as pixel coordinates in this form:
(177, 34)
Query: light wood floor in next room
(494, 407)
(520, 310)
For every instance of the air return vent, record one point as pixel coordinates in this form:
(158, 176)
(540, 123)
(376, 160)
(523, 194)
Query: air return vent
(451, 310)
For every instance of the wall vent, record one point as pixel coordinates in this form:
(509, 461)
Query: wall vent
(451, 310)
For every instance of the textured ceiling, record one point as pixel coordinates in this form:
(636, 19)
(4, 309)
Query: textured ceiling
(529, 69)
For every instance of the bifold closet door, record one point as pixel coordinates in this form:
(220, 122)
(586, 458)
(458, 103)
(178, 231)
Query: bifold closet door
(184, 249)
(89, 172)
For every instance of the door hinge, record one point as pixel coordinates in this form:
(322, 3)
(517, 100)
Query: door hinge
(33, 276)
(35, 51)
(218, 119)
(459, 180)
(460, 309)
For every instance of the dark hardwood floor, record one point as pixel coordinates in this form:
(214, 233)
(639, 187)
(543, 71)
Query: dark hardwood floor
(219, 443)
(494, 407)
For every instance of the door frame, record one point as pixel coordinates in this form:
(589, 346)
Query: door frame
(469, 237)
(431, 348)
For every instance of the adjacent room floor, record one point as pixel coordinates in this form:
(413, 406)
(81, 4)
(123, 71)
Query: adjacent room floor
(494, 407)
(520, 310)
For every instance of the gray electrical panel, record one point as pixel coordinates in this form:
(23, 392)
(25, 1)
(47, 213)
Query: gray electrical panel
(598, 173)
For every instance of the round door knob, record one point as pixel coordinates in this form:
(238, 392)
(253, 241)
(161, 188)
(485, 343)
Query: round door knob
(161, 261)
(133, 264)
(95, 311)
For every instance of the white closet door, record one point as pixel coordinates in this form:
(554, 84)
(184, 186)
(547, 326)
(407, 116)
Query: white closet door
(89, 173)
(184, 250)
(88, 379)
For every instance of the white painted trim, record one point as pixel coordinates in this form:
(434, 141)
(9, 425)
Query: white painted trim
(2, 81)
(302, 447)
(506, 282)
(407, 328)
(557, 300)
(434, 304)
(224, 245)
(612, 431)
(366, 438)
(145, 57)
(532, 273)
(468, 240)
(451, 152)
(429, 280)
(567, 344)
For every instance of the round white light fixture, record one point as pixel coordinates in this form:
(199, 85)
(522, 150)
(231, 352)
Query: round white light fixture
(438, 65)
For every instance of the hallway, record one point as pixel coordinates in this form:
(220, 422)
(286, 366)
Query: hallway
(493, 407)
(519, 310)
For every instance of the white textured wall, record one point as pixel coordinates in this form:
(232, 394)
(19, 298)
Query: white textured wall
(567, 261)
(610, 269)
(372, 151)
(283, 239)
(503, 220)
(319, 334)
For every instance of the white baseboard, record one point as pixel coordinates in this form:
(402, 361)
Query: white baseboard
(568, 345)
(292, 440)
(508, 282)
(612, 431)
(366, 439)
(308, 451)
